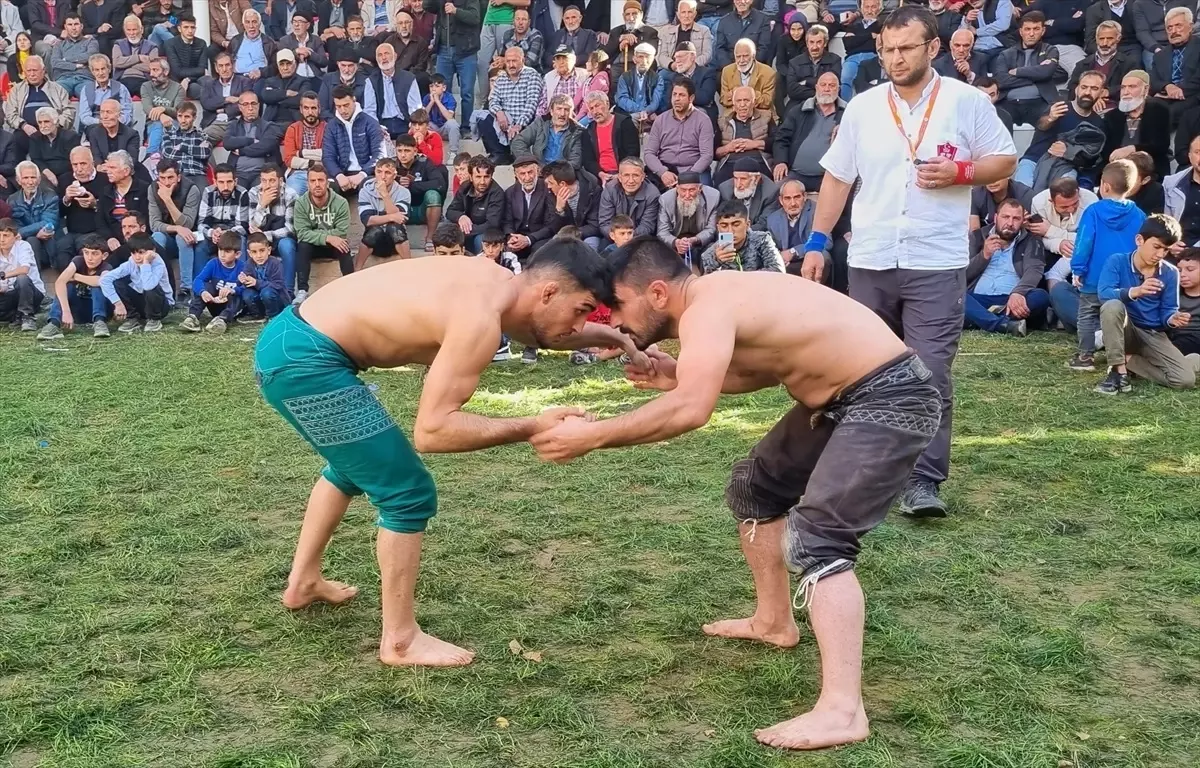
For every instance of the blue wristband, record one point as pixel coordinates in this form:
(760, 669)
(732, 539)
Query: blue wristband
(817, 241)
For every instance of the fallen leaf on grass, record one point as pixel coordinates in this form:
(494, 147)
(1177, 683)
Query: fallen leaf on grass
(708, 734)
(515, 647)
(501, 722)
(1065, 764)
(1083, 736)
(535, 656)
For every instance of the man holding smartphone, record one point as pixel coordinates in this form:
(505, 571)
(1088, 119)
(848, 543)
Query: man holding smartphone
(738, 247)
(934, 138)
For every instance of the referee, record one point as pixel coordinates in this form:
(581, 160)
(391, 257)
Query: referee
(918, 143)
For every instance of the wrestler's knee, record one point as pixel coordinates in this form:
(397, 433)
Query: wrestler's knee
(748, 501)
(408, 510)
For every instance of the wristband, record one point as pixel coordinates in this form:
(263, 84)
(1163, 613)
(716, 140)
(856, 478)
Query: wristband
(817, 241)
(966, 172)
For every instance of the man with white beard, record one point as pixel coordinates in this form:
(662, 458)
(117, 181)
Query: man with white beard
(1139, 124)
(806, 134)
(687, 218)
(753, 189)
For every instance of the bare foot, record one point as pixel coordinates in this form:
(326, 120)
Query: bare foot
(298, 596)
(752, 628)
(423, 651)
(817, 729)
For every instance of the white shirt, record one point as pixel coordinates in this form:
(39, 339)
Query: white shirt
(1061, 227)
(896, 224)
(21, 255)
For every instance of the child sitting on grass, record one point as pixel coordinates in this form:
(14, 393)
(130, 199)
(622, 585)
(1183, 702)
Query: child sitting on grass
(264, 294)
(493, 248)
(620, 232)
(140, 288)
(1139, 292)
(448, 240)
(217, 288)
(77, 293)
(1186, 337)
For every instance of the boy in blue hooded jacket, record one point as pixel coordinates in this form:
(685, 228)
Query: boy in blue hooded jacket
(1109, 226)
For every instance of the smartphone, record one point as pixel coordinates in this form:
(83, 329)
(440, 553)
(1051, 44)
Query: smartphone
(725, 238)
(1034, 219)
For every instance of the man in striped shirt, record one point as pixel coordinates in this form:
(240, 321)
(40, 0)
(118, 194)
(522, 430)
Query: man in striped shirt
(187, 145)
(513, 105)
(224, 207)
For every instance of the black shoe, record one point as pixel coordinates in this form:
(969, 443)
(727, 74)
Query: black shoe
(1115, 382)
(501, 158)
(920, 499)
(529, 356)
(1082, 362)
(1018, 328)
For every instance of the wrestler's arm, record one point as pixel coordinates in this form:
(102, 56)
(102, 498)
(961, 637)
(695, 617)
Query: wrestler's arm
(442, 426)
(597, 335)
(662, 376)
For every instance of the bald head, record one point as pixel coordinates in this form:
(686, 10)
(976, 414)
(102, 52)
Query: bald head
(961, 43)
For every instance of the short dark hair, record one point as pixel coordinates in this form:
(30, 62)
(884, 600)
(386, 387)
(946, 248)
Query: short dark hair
(186, 16)
(733, 209)
(271, 168)
(167, 164)
(342, 92)
(387, 162)
(318, 167)
(1033, 17)
(1188, 254)
(94, 242)
(141, 242)
(310, 95)
(1064, 186)
(224, 168)
(1010, 202)
(492, 235)
(10, 225)
(621, 221)
(685, 83)
(404, 140)
(643, 260)
(1144, 164)
(186, 106)
(579, 262)
(570, 232)
(447, 235)
(1121, 175)
(1091, 73)
(985, 81)
(912, 14)
(561, 171)
(230, 241)
(462, 157)
(1161, 227)
(437, 79)
(418, 117)
(138, 217)
(256, 238)
(72, 15)
(481, 163)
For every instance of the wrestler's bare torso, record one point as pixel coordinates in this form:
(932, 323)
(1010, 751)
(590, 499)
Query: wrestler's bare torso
(397, 314)
(787, 330)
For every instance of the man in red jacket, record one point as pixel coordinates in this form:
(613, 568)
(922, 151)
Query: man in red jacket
(302, 142)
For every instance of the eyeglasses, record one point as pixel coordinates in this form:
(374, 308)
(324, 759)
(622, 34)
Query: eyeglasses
(902, 50)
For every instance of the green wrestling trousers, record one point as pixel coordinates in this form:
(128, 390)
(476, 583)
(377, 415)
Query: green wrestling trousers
(314, 385)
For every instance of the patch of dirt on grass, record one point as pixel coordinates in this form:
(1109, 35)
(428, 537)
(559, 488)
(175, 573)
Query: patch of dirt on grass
(24, 758)
(233, 691)
(554, 550)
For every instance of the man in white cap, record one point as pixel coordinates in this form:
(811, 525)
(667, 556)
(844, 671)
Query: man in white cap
(641, 91)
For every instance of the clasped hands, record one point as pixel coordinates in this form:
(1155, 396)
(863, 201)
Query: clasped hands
(566, 433)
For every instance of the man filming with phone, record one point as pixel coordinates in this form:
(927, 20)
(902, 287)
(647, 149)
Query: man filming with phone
(738, 247)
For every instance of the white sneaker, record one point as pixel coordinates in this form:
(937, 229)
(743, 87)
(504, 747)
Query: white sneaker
(153, 326)
(1099, 339)
(300, 297)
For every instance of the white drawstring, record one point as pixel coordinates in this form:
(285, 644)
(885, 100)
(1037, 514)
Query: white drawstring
(808, 585)
(753, 527)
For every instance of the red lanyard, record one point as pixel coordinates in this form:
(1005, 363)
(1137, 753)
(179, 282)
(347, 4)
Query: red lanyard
(912, 148)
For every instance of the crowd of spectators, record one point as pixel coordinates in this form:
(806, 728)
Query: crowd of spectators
(129, 142)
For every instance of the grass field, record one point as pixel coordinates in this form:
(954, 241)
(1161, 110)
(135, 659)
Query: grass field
(149, 502)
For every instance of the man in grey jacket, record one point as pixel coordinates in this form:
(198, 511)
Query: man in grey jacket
(687, 217)
(69, 58)
(558, 138)
(1006, 266)
(631, 194)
